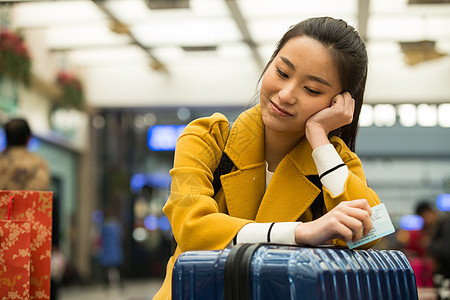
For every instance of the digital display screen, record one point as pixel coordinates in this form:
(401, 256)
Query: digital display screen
(163, 137)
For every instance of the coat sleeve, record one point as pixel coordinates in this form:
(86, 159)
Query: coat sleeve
(355, 187)
(194, 215)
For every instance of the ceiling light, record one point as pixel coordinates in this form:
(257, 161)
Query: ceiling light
(443, 113)
(384, 115)
(407, 115)
(366, 116)
(427, 115)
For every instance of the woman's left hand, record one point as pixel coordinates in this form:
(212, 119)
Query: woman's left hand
(340, 113)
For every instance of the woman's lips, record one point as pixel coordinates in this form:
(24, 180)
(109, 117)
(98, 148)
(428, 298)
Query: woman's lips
(279, 111)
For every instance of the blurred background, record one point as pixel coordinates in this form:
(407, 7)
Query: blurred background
(108, 85)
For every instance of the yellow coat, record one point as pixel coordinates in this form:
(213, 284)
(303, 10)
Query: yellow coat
(201, 222)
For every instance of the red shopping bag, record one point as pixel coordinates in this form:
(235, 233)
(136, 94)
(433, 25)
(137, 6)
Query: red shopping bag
(14, 259)
(36, 208)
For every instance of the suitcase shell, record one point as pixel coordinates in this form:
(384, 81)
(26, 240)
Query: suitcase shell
(268, 271)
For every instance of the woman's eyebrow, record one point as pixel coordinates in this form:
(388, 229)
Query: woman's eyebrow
(310, 77)
(318, 79)
(288, 62)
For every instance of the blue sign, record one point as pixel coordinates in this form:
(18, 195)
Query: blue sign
(411, 222)
(155, 180)
(443, 202)
(163, 137)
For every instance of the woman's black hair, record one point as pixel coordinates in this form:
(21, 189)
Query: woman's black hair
(349, 54)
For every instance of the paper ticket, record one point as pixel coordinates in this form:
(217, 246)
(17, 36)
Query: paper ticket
(381, 226)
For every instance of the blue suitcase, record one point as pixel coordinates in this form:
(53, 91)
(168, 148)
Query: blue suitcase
(268, 271)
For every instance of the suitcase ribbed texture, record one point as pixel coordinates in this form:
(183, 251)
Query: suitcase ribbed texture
(289, 272)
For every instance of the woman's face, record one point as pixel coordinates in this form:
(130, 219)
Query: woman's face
(301, 80)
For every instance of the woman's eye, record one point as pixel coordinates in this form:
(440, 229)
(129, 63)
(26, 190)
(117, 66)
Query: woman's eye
(311, 91)
(282, 73)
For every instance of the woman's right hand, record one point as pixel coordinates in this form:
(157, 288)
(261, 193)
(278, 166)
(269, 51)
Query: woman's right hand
(338, 114)
(349, 220)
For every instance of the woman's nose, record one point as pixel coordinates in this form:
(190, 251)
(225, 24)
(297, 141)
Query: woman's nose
(287, 93)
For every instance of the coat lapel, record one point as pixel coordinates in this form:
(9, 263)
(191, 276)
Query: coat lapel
(290, 193)
(244, 187)
(243, 191)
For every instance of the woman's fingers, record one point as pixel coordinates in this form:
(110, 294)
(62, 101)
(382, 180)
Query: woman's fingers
(358, 203)
(357, 214)
(344, 102)
(349, 220)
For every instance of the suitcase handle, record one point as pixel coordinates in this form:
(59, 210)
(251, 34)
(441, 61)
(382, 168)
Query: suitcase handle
(237, 275)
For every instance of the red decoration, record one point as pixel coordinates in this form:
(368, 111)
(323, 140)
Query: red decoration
(72, 89)
(15, 59)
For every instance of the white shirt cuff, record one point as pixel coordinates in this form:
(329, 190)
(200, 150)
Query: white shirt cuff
(326, 158)
(280, 233)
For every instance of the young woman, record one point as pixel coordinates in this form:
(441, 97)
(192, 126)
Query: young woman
(295, 178)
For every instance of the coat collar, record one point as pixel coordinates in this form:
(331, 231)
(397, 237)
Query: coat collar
(245, 187)
(245, 144)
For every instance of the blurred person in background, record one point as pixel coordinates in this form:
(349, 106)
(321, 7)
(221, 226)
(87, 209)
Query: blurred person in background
(417, 243)
(419, 240)
(21, 169)
(439, 248)
(57, 271)
(111, 249)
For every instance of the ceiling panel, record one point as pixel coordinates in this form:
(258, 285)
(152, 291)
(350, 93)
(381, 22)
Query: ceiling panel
(408, 28)
(119, 55)
(271, 29)
(299, 8)
(136, 11)
(94, 34)
(55, 13)
(187, 31)
(227, 52)
(82, 31)
(402, 7)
